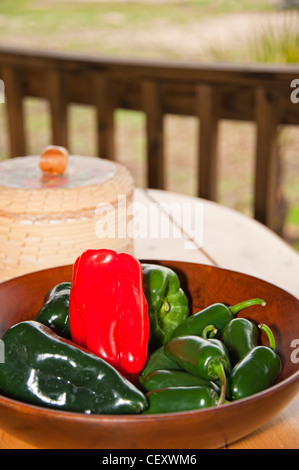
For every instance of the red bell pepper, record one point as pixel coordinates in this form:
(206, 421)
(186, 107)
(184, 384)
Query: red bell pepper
(108, 310)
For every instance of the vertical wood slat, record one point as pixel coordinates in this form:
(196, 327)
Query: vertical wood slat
(267, 118)
(154, 134)
(15, 111)
(58, 108)
(207, 103)
(105, 122)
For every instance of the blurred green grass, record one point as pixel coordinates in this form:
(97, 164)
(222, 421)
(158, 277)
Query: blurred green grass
(271, 42)
(276, 43)
(85, 25)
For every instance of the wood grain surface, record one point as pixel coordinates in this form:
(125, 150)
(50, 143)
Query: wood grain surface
(230, 241)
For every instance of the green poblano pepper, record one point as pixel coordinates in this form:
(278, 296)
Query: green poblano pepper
(55, 310)
(61, 288)
(43, 369)
(167, 303)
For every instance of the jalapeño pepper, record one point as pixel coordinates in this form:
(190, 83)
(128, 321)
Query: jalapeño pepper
(239, 336)
(158, 360)
(257, 371)
(206, 358)
(172, 399)
(173, 378)
(217, 314)
(167, 302)
(44, 369)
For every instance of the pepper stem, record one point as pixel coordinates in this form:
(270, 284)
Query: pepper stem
(247, 303)
(209, 329)
(218, 368)
(270, 335)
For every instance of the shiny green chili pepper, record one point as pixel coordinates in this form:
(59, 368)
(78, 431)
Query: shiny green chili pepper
(257, 371)
(167, 302)
(173, 378)
(217, 314)
(239, 336)
(209, 332)
(206, 358)
(62, 287)
(173, 399)
(158, 360)
(44, 369)
(55, 311)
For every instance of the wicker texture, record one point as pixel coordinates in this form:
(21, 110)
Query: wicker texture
(43, 228)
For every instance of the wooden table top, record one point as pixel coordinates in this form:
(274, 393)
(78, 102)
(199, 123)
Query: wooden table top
(176, 227)
(233, 241)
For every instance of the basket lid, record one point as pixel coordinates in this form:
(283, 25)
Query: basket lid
(25, 173)
(87, 182)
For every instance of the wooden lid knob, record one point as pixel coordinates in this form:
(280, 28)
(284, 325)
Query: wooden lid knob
(54, 160)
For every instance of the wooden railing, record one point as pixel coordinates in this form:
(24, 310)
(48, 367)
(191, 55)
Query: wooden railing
(261, 94)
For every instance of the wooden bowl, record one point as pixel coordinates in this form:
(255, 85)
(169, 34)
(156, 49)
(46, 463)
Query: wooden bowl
(21, 299)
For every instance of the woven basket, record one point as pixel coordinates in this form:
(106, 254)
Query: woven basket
(43, 227)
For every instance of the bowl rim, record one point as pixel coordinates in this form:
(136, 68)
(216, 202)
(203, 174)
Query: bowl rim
(163, 262)
(121, 418)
